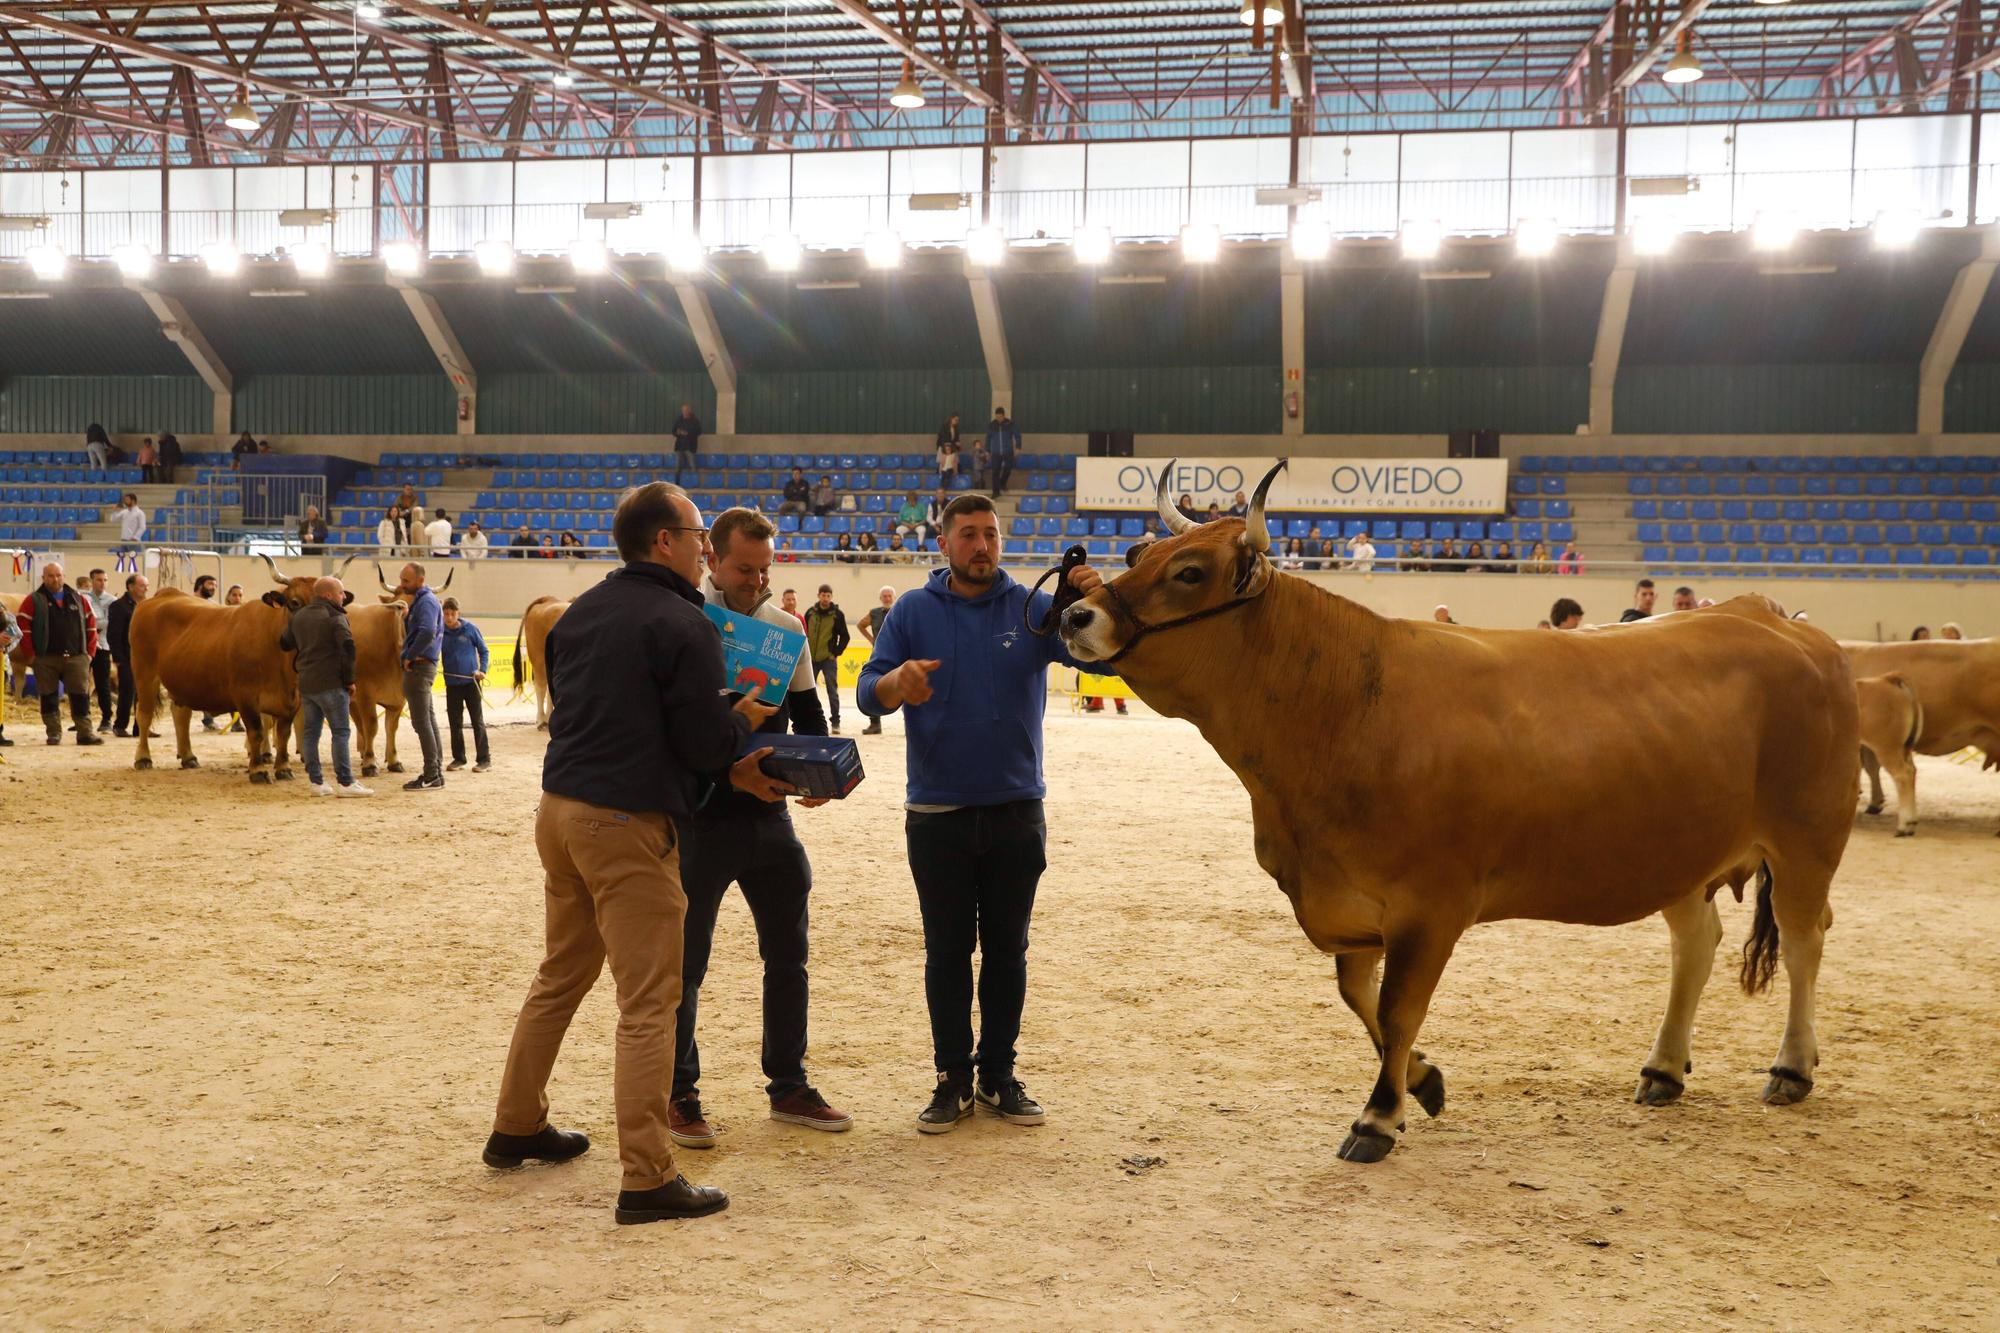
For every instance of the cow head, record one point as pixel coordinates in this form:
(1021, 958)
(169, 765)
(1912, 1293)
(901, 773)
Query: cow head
(1198, 570)
(299, 587)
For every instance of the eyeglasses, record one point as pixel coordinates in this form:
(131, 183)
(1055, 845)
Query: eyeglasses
(671, 527)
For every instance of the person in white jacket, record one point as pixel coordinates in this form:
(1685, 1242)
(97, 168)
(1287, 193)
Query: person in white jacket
(131, 522)
(1361, 553)
(389, 533)
(472, 545)
(437, 533)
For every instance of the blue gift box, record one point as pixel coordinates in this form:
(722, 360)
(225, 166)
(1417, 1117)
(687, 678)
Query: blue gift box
(822, 767)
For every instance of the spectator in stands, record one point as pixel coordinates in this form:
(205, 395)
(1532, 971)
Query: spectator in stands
(1684, 598)
(1951, 630)
(464, 664)
(982, 465)
(1538, 561)
(1003, 441)
(1570, 561)
(1315, 547)
(1566, 613)
(98, 445)
(1444, 556)
(569, 541)
(1442, 614)
(131, 523)
(1239, 508)
(910, 519)
(389, 532)
(934, 515)
(1475, 558)
(869, 548)
(233, 595)
(1294, 556)
(687, 441)
(312, 532)
(1186, 505)
(149, 462)
(1214, 513)
(825, 498)
(897, 551)
(406, 499)
(263, 446)
(547, 549)
(473, 544)
(1361, 553)
(1503, 558)
(60, 633)
(1920, 633)
(843, 549)
(798, 494)
(244, 445)
(947, 451)
(97, 592)
(826, 640)
(523, 544)
(120, 636)
(437, 534)
(1643, 597)
(170, 456)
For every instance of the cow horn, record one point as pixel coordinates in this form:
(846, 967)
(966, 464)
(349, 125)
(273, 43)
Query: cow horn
(1171, 517)
(1255, 534)
(276, 577)
(449, 575)
(379, 579)
(341, 573)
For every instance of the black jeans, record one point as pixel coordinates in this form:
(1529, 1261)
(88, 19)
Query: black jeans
(100, 681)
(460, 697)
(683, 463)
(1003, 469)
(829, 671)
(128, 689)
(762, 855)
(976, 870)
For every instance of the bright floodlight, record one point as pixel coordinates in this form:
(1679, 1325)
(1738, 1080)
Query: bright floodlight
(367, 9)
(1247, 13)
(564, 79)
(986, 246)
(134, 261)
(1535, 237)
(223, 259)
(1422, 240)
(496, 258)
(781, 252)
(312, 260)
(1653, 235)
(685, 253)
(1311, 240)
(1092, 245)
(1897, 229)
(403, 259)
(47, 261)
(1774, 231)
(589, 255)
(883, 249)
(1201, 242)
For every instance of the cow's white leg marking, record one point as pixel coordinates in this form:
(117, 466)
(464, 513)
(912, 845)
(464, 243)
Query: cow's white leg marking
(1903, 769)
(1696, 928)
(1798, 902)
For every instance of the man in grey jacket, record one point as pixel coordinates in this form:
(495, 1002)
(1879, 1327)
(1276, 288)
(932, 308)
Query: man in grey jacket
(324, 644)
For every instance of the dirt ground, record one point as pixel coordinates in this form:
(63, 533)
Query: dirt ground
(251, 1042)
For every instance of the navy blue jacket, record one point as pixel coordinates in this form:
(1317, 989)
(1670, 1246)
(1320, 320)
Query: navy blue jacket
(423, 627)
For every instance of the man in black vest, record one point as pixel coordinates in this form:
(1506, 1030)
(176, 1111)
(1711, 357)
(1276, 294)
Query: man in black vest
(120, 635)
(62, 635)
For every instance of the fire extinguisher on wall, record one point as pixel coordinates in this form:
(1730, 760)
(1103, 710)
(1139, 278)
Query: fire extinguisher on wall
(1292, 404)
(465, 409)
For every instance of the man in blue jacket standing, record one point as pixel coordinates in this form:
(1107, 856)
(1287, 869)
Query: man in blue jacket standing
(957, 653)
(1003, 439)
(465, 662)
(423, 636)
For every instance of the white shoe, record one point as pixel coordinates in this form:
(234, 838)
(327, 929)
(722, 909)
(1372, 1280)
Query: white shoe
(351, 789)
(320, 789)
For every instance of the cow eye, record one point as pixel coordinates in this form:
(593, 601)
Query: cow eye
(1191, 574)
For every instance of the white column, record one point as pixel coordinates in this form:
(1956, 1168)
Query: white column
(450, 354)
(184, 333)
(1611, 318)
(714, 353)
(1292, 341)
(1968, 289)
(992, 334)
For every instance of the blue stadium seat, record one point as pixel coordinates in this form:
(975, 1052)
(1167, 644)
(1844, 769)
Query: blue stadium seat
(1053, 527)
(1639, 486)
(1443, 529)
(1805, 534)
(1057, 504)
(1076, 527)
(1528, 508)
(1700, 510)
(1645, 509)
(1669, 486)
(1709, 532)
(1554, 486)
(1680, 532)
(1472, 530)
(1031, 504)
(1674, 509)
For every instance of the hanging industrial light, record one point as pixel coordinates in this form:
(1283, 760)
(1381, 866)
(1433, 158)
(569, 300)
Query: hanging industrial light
(1683, 68)
(241, 115)
(1274, 15)
(907, 95)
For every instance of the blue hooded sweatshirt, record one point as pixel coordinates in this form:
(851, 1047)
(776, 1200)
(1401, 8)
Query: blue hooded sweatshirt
(978, 741)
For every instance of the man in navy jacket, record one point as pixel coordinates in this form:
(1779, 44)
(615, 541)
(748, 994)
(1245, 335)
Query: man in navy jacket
(423, 638)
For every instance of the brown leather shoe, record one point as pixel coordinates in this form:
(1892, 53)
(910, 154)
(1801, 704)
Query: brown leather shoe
(806, 1107)
(675, 1199)
(685, 1123)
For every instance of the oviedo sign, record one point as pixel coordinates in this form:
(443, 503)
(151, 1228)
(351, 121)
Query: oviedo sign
(1327, 485)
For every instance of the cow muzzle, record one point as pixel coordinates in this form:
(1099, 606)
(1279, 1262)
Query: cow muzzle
(1087, 632)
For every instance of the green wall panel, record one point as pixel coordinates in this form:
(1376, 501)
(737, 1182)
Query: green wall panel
(861, 402)
(346, 405)
(1766, 399)
(1196, 400)
(592, 404)
(122, 404)
(1972, 397)
(1397, 400)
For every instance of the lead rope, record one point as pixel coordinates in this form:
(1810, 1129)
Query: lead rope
(1060, 601)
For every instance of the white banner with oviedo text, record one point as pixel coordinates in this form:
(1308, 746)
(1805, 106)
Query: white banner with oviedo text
(1309, 485)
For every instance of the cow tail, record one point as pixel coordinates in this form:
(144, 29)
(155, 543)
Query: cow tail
(1760, 951)
(520, 667)
(1916, 711)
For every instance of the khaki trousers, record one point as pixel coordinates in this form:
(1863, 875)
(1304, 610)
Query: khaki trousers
(612, 888)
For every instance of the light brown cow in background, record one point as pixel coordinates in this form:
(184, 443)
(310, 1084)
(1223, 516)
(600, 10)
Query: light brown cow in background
(530, 651)
(378, 667)
(1410, 779)
(1957, 684)
(1891, 721)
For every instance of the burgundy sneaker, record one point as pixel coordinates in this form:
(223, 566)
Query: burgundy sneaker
(685, 1124)
(806, 1107)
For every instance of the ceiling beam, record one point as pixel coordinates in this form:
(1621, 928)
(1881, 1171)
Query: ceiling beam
(726, 53)
(982, 19)
(1663, 43)
(859, 11)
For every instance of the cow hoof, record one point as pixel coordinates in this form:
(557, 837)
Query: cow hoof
(1365, 1145)
(261, 779)
(541, 726)
(1872, 810)
(283, 775)
(1906, 833)
(143, 765)
(1429, 1093)
(396, 767)
(190, 762)
(368, 770)
(1786, 1088)
(1657, 1088)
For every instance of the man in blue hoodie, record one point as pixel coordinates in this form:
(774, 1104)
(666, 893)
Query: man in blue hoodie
(957, 653)
(423, 635)
(465, 662)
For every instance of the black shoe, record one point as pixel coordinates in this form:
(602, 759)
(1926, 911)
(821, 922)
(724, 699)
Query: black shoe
(55, 738)
(92, 739)
(454, 766)
(676, 1198)
(425, 784)
(873, 728)
(5, 744)
(1011, 1102)
(504, 1152)
(482, 766)
(951, 1103)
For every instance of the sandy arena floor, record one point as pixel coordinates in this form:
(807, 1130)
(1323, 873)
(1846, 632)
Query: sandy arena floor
(251, 1043)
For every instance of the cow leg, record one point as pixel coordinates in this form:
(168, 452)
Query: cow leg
(1903, 769)
(253, 742)
(363, 717)
(279, 729)
(1415, 959)
(541, 705)
(1798, 903)
(391, 716)
(146, 695)
(1697, 929)
(1873, 769)
(1358, 986)
(184, 747)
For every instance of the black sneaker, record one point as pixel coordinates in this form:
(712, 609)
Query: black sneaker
(425, 784)
(951, 1103)
(454, 766)
(1011, 1102)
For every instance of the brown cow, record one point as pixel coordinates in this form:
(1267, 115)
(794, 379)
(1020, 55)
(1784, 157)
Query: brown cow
(530, 651)
(378, 667)
(217, 659)
(1957, 682)
(1410, 779)
(1891, 721)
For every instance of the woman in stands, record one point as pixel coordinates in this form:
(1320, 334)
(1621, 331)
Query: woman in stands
(1538, 561)
(149, 462)
(1503, 558)
(1951, 631)
(569, 540)
(244, 445)
(1920, 633)
(1570, 561)
(947, 451)
(390, 533)
(843, 549)
(98, 445)
(870, 549)
(1475, 558)
(1294, 556)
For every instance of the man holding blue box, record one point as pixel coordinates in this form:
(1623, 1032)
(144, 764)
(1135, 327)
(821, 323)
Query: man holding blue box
(958, 654)
(736, 838)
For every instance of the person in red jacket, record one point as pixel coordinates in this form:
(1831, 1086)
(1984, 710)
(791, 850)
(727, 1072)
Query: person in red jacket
(60, 632)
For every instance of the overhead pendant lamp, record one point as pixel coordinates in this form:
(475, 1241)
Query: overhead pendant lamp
(1683, 68)
(1273, 14)
(907, 95)
(241, 115)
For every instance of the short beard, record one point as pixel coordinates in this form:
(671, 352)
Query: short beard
(965, 575)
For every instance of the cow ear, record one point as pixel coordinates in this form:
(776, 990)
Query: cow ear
(274, 598)
(347, 599)
(1136, 553)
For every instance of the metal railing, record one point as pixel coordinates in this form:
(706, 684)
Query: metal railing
(279, 497)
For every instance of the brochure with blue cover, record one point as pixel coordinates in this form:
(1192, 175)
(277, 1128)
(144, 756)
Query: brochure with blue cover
(756, 658)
